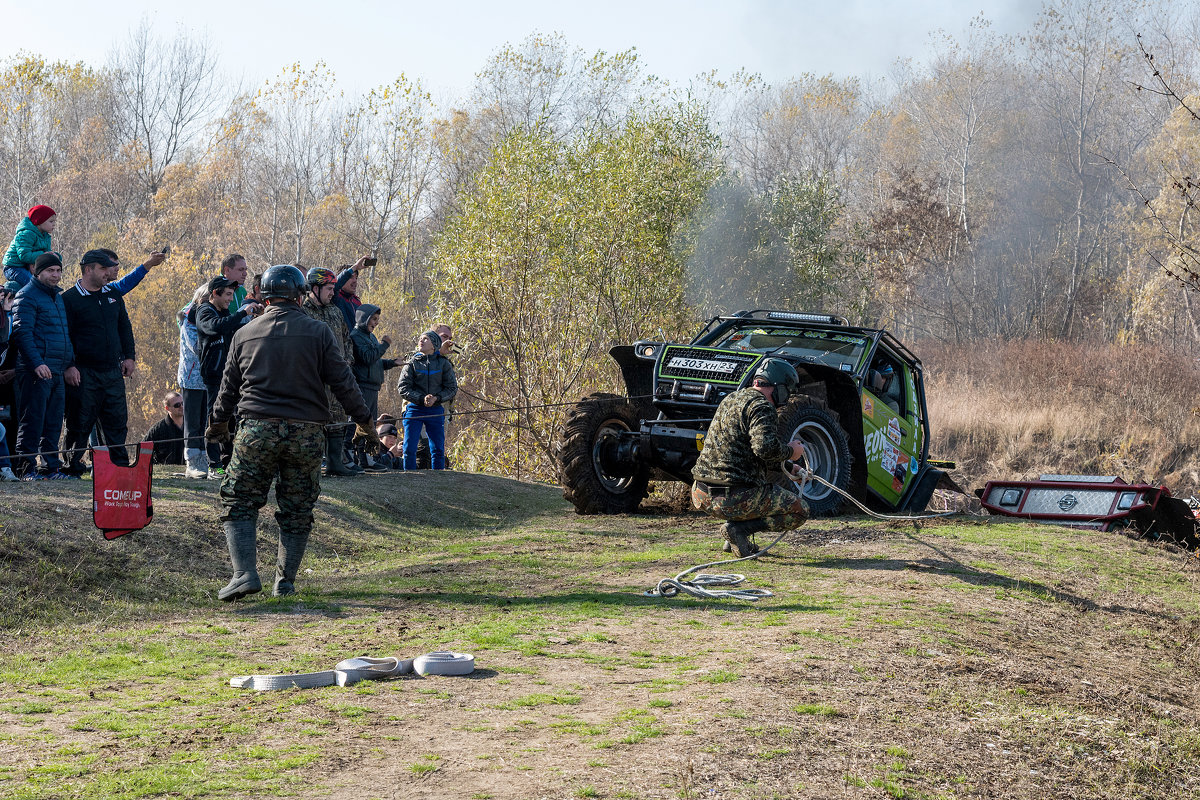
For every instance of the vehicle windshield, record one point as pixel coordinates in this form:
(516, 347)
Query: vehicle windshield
(828, 347)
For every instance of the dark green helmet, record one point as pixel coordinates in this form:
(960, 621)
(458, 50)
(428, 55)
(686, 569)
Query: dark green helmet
(282, 281)
(781, 375)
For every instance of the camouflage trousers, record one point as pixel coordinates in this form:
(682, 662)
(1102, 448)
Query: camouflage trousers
(781, 509)
(264, 450)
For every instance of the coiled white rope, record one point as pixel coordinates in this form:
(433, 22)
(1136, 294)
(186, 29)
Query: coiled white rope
(698, 586)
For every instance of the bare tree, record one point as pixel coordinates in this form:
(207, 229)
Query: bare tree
(543, 81)
(387, 165)
(300, 111)
(165, 93)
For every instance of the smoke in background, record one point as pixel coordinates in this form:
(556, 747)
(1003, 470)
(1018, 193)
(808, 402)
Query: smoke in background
(782, 248)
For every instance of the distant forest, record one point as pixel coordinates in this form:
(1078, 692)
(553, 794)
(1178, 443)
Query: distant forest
(1038, 187)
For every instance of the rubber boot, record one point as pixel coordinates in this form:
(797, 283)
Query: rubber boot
(240, 536)
(369, 464)
(348, 454)
(737, 534)
(334, 463)
(291, 553)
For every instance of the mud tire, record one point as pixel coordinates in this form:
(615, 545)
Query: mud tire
(584, 484)
(811, 421)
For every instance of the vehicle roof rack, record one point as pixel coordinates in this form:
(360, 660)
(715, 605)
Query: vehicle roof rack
(794, 316)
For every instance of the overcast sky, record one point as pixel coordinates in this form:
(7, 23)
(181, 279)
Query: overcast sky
(368, 43)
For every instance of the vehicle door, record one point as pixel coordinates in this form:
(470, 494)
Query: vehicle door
(891, 426)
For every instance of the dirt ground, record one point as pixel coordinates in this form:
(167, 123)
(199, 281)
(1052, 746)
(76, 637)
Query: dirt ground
(955, 660)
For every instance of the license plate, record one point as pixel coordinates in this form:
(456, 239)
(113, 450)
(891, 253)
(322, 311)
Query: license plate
(727, 367)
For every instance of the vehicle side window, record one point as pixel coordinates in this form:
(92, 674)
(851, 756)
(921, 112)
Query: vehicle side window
(885, 379)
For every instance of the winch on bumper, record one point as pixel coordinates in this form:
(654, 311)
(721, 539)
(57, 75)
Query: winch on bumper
(672, 445)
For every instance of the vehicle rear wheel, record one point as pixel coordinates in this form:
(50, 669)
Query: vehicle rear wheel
(591, 481)
(827, 448)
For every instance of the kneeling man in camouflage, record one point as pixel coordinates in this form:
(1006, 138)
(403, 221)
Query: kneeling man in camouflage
(742, 443)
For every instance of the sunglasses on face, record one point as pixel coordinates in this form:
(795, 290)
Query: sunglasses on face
(176, 405)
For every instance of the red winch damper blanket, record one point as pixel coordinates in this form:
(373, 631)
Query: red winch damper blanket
(121, 500)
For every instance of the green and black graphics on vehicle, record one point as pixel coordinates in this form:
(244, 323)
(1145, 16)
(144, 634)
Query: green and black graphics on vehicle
(860, 412)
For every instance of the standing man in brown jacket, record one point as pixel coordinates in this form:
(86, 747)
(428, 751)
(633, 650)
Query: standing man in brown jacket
(275, 379)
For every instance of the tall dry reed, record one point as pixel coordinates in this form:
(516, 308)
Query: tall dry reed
(1017, 409)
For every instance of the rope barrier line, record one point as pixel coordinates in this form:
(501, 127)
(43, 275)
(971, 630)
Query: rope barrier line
(328, 426)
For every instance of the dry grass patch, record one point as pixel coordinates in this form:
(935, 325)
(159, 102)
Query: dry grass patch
(1010, 409)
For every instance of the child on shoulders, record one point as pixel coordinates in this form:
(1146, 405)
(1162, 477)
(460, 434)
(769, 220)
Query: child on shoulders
(30, 241)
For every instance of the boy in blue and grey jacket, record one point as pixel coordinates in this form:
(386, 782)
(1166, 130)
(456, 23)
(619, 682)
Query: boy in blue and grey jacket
(426, 383)
(30, 241)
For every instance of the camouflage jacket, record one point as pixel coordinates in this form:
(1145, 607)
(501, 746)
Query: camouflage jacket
(332, 317)
(742, 442)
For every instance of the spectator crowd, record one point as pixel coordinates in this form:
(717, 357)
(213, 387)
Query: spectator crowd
(66, 351)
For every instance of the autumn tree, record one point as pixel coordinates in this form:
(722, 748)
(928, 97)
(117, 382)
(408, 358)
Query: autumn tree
(300, 111)
(786, 247)
(564, 249)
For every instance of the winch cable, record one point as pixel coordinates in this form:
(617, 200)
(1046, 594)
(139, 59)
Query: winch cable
(698, 586)
(809, 477)
(801, 477)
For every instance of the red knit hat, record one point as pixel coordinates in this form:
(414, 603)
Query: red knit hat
(39, 214)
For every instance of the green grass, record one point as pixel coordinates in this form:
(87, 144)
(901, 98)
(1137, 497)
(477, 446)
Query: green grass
(541, 699)
(719, 676)
(114, 681)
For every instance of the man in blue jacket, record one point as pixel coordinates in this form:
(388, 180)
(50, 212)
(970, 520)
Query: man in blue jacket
(44, 359)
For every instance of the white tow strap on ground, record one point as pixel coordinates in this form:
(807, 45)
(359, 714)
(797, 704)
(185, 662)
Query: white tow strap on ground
(363, 668)
(444, 664)
(699, 586)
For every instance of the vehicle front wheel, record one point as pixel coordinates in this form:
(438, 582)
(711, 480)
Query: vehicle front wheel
(590, 478)
(826, 447)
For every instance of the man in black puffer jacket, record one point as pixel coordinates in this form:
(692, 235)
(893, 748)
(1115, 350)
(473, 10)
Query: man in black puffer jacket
(44, 360)
(215, 326)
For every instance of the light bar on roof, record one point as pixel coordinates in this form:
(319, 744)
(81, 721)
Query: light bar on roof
(791, 316)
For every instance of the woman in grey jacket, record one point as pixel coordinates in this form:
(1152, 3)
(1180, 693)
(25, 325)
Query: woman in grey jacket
(426, 382)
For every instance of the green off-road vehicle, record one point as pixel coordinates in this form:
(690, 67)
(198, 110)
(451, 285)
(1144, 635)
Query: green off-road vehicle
(860, 413)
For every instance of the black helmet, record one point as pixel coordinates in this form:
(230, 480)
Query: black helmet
(282, 281)
(781, 375)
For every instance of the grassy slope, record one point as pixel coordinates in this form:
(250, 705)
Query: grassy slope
(961, 660)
